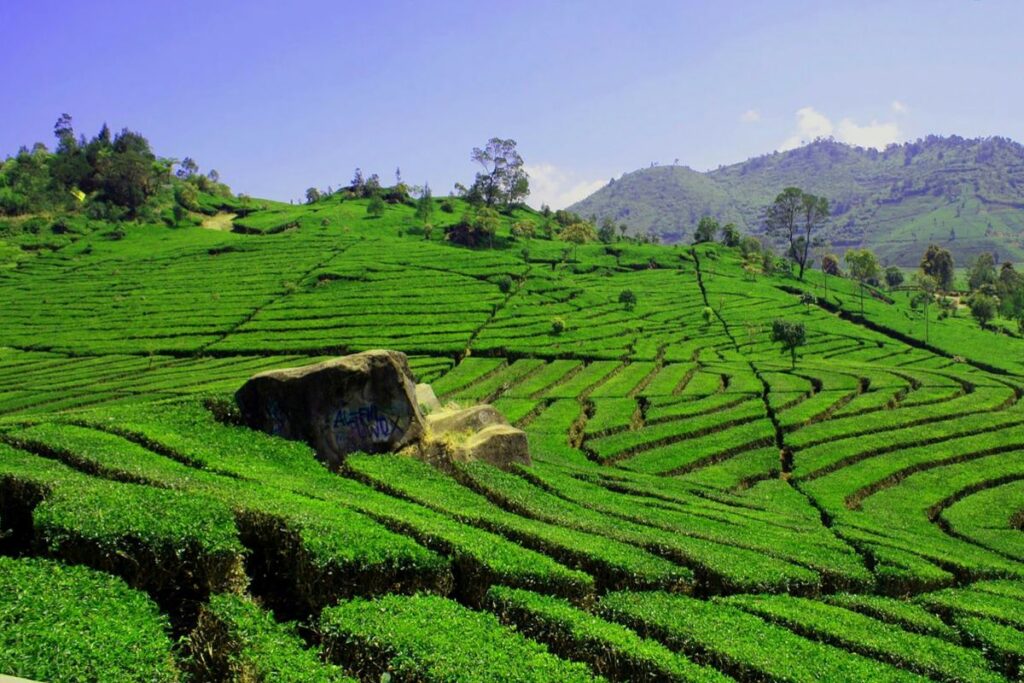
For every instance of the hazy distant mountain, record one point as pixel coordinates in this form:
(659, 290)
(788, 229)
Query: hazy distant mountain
(967, 195)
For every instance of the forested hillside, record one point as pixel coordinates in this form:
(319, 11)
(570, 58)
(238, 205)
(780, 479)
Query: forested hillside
(736, 474)
(967, 195)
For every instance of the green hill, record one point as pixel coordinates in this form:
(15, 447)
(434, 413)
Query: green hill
(967, 195)
(699, 508)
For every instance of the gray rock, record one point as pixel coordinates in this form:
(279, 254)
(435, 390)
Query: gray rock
(427, 399)
(363, 402)
(499, 444)
(471, 419)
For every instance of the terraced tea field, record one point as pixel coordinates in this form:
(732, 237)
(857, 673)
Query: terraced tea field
(697, 510)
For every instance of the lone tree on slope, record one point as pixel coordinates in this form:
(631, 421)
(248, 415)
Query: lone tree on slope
(706, 230)
(503, 179)
(864, 269)
(791, 335)
(797, 216)
(938, 263)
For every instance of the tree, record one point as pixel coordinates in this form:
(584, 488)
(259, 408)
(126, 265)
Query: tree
(375, 208)
(358, 184)
(628, 299)
(503, 179)
(128, 175)
(578, 233)
(425, 206)
(926, 288)
(312, 195)
(983, 272)
(185, 195)
(65, 134)
(790, 335)
(731, 235)
(606, 233)
(187, 168)
(864, 269)
(893, 277)
(750, 248)
(938, 263)
(622, 230)
(706, 230)
(486, 222)
(372, 186)
(523, 230)
(1010, 289)
(830, 265)
(984, 308)
(797, 216)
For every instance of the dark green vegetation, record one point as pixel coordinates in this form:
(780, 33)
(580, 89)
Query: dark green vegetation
(700, 505)
(964, 194)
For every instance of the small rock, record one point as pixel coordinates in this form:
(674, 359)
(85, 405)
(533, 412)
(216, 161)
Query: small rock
(500, 445)
(471, 419)
(427, 399)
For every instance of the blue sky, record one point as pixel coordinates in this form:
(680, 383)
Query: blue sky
(282, 96)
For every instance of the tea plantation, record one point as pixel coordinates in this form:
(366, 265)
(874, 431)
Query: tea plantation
(698, 509)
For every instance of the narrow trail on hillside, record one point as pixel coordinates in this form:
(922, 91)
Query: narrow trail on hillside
(785, 454)
(286, 292)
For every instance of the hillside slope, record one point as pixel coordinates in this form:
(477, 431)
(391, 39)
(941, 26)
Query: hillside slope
(698, 508)
(967, 195)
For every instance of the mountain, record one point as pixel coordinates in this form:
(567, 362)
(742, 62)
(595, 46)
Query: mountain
(966, 194)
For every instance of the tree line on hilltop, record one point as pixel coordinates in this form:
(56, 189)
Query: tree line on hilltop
(111, 176)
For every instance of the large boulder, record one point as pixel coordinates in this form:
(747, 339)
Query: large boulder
(363, 402)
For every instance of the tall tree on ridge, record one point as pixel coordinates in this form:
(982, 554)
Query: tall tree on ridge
(797, 216)
(503, 179)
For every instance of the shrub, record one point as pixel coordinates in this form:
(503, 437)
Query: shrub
(236, 640)
(428, 638)
(375, 208)
(557, 326)
(70, 623)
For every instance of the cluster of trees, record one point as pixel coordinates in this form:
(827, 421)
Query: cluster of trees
(708, 228)
(794, 218)
(111, 175)
(995, 291)
(368, 187)
(992, 291)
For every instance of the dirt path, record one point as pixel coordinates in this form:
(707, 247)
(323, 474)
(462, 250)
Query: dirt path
(221, 221)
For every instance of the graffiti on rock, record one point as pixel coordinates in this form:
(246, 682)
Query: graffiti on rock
(364, 424)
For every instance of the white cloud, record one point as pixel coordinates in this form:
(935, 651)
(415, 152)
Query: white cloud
(875, 134)
(811, 124)
(558, 187)
(750, 116)
(899, 107)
